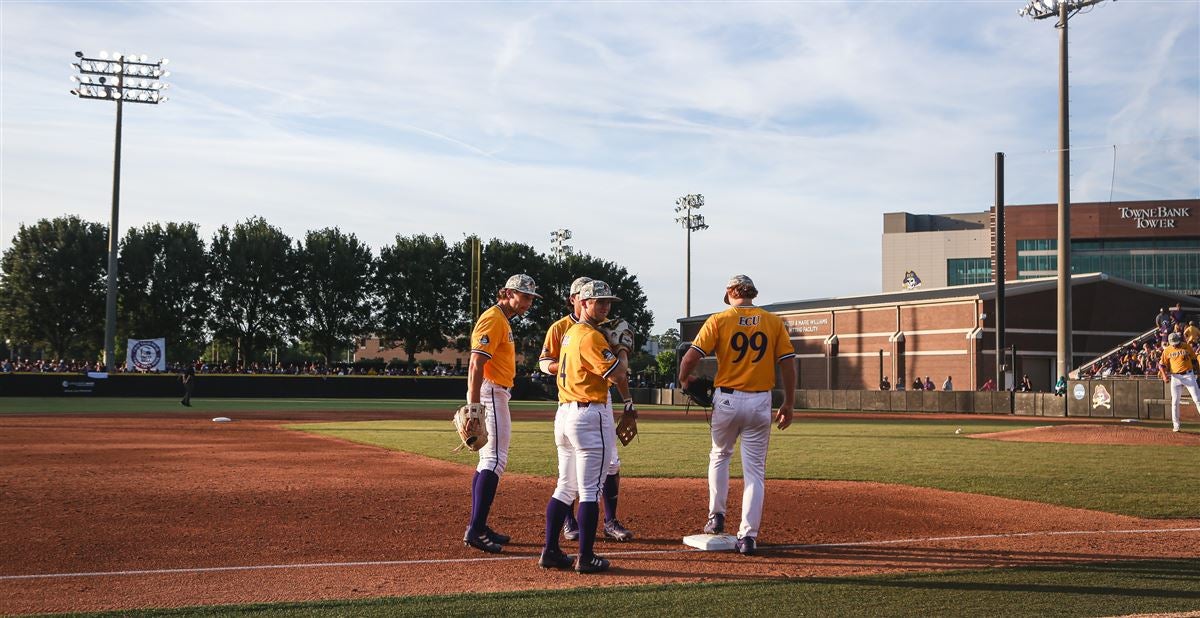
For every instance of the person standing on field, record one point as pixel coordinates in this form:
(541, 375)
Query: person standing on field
(490, 377)
(583, 429)
(188, 378)
(548, 363)
(1178, 370)
(749, 343)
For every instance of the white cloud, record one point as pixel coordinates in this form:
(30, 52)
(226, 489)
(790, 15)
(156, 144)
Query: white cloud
(801, 123)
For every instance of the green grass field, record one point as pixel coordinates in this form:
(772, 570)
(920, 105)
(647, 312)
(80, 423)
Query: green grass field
(1148, 481)
(1108, 589)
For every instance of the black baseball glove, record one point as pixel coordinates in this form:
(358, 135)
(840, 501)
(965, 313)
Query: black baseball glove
(700, 390)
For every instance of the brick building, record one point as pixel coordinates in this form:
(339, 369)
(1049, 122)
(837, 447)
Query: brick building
(849, 342)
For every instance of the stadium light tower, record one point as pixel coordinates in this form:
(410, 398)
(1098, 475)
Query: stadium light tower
(1064, 10)
(559, 248)
(124, 79)
(690, 222)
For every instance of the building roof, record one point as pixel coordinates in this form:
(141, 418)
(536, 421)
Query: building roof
(981, 291)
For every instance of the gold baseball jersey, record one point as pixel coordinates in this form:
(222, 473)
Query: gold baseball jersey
(584, 365)
(1178, 359)
(552, 346)
(747, 342)
(493, 338)
(1191, 333)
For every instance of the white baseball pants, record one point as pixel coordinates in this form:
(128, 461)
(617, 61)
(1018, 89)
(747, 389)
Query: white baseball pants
(1180, 381)
(494, 455)
(583, 434)
(745, 415)
(614, 462)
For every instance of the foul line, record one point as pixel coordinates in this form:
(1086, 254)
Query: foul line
(646, 552)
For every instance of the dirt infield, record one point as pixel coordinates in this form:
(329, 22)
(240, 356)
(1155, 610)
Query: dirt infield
(149, 511)
(1095, 434)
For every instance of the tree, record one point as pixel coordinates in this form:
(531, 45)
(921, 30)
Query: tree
(418, 292)
(162, 287)
(669, 340)
(52, 288)
(667, 364)
(252, 278)
(334, 276)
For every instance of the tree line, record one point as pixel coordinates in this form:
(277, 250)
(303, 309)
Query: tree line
(252, 288)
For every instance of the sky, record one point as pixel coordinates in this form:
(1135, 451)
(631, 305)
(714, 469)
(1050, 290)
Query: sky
(801, 123)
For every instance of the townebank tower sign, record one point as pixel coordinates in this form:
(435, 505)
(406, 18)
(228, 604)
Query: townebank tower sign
(1160, 217)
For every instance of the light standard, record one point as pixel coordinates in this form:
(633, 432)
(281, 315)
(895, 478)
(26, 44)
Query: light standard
(690, 222)
(122, 79)
(1064, 10)
(559, 248)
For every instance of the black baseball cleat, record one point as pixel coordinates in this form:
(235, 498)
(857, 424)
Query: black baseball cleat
(481, 542)
(745, 546)
(595, 564)
(556, 559)
(496, 537)
(715, 524)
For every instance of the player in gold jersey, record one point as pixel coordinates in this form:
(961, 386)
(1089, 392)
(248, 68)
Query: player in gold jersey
(490, 376)
(748, 343)
(583, 428)
(1177, 368)
(548, 362)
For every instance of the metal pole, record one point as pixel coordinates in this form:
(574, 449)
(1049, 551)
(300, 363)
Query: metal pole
(1065, 357)
(687, 302)
(999, 308)
(114, 241)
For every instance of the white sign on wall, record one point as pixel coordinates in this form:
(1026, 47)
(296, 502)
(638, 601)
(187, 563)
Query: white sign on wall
(146, 355)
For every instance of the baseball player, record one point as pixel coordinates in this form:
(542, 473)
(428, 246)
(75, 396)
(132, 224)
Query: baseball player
(748, 343)
(489, 378)
(1178, 368)
(548, 362)
(583, 428)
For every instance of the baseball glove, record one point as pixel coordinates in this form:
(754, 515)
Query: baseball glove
(472, 431)
(619, 334)
(700, 391)
(627, 426)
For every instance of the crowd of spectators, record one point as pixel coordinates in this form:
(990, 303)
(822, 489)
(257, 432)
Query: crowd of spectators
(1141, 357)
(917, 384)
(226, 367)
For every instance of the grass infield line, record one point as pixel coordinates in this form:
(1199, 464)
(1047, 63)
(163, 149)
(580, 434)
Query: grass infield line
(645, 552)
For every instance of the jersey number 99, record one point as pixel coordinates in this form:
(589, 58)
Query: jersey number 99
(742, 344)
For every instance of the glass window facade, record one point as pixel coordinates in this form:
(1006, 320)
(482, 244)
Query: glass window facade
(968, 271)
(1170, 264)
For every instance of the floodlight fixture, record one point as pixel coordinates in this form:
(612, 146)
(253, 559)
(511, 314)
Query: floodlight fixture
(691, 222)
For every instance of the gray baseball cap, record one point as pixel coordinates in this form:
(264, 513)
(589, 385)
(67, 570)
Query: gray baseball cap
(596, 290)
(737, 281)
(523, 284)
(577, 284)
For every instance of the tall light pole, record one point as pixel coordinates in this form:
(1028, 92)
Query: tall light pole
(124, 79)
(1064, 10)
(690, 222)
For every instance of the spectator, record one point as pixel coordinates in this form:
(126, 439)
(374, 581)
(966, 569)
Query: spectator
(917, 385)
(1162, 318)
(948, 385)
(1060, 387)
(1026, 384)
(990, 385)
(884, 385)
(928, 384)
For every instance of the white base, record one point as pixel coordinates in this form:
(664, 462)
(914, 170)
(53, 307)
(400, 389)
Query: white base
(711, 542)
(222, 419)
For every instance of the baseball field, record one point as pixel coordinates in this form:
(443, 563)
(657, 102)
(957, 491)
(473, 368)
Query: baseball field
(357, 507)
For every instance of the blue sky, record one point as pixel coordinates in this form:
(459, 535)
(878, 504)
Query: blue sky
(801, 123)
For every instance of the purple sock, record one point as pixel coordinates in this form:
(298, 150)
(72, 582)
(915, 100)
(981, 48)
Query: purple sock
(571, 517)
(611, 484)
(556, 514)
(481, 499)
(474, 482)
(589, 516)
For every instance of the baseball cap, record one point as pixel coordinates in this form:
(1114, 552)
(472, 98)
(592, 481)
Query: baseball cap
(577, 284)
(523, 284)
(737, 281)
(1174, 339)
(596, 290)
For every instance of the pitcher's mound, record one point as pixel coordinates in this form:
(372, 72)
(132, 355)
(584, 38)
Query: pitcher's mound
(1096, 434)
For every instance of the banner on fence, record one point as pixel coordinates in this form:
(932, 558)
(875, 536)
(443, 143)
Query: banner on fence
(146, 355)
